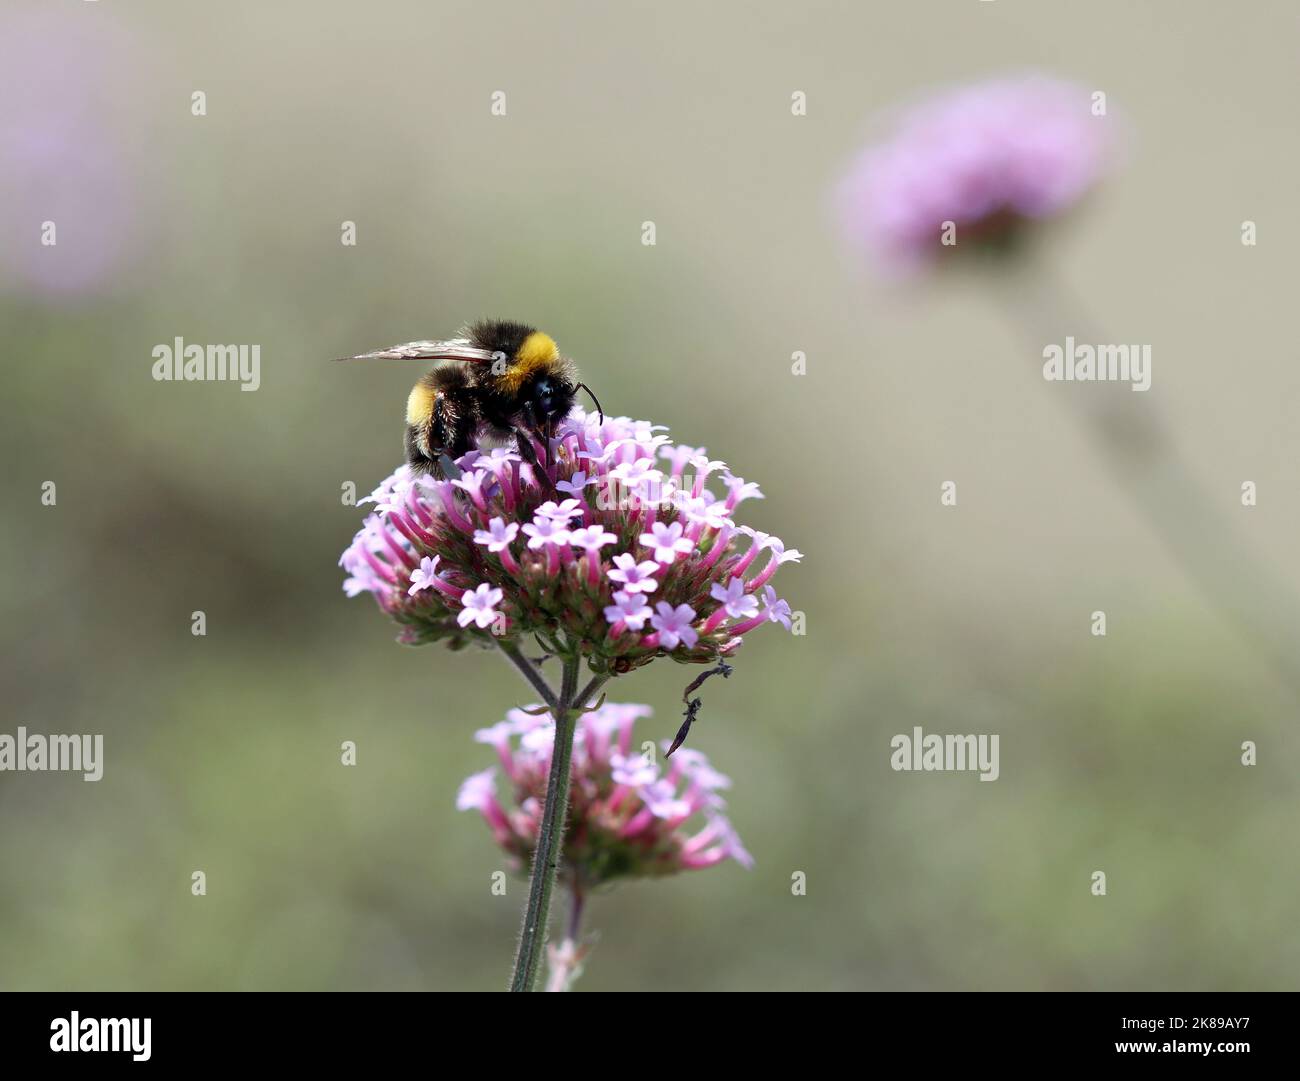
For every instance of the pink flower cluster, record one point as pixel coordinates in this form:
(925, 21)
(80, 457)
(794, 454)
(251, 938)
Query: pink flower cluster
(986, 158)
(627, 817)
(625, 549)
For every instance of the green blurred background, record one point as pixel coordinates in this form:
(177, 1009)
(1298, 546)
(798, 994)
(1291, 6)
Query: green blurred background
(222, 752)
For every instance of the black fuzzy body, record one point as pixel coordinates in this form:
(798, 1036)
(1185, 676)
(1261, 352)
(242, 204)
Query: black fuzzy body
(471, 402)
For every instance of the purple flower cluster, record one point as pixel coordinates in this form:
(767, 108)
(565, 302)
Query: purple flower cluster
(623, 550)
(627, 817)
(986, 157)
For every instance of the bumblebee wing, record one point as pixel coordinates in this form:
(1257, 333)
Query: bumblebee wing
(453, 349)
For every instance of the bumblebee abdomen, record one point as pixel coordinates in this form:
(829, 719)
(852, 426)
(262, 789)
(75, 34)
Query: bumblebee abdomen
(441, 416)
(420, 404)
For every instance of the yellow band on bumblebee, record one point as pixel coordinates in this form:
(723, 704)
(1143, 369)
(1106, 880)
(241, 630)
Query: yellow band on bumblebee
(537, 353)
(419, 404)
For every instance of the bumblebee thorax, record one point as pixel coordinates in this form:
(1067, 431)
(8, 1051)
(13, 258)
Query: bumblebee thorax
(536, 355)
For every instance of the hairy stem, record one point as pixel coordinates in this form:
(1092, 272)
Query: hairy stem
(585, 697)
(550, 836)
(529, 671)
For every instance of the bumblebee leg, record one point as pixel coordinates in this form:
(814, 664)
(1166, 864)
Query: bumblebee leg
(460, 439)
(451, 431)
(524, 441)
(524, 444)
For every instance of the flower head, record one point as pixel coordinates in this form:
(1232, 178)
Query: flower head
(735, 601)
(559, 512)
(775, 609)
(674, 624)
(479, 606)
(629, 608)
(496, 461)
(666, 541)
(972, 165)
(424, 575)
(633, 576)
(477, 790)
(628, 815)
(498, 534)
(505, 550)
(544, 530)
(575, 484)
(591, 538)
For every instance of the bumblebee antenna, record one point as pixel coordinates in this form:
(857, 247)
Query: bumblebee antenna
(583, 386)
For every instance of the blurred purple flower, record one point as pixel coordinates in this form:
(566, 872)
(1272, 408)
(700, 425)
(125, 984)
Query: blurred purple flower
(62, 73)
(628, 817)
(988, 157)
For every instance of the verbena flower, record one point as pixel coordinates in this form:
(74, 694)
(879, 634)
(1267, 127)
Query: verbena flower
(989, 158)
(622, 552)
(63, 77)
(628, 816)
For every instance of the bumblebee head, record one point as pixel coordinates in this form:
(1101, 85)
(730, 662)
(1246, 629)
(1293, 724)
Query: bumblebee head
(551, 396)
(544, 381)
(534, 372)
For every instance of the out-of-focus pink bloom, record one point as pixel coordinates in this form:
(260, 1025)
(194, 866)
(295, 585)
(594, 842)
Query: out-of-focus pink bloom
(478, 793)
(64, 77)
(628, 817)
(988, 158)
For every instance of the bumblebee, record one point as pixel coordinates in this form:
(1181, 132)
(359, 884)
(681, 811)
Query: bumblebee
(510, 382)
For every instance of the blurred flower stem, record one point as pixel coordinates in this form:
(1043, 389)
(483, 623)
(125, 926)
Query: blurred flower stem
(566, 958)
(566, 708)
(1136, 444)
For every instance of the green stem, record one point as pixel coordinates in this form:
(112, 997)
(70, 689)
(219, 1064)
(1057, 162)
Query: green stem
(529, 672)
(550, 836)
(1163, 485)
(586, 696)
